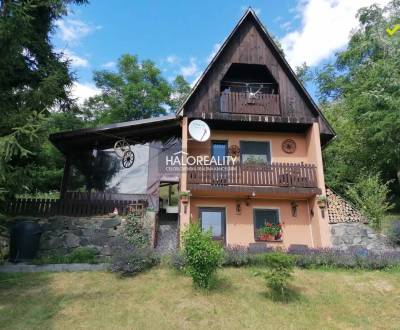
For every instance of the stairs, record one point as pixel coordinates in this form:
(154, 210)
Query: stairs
(167, 231)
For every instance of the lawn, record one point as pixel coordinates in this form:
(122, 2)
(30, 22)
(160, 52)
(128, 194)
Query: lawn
(164, 299)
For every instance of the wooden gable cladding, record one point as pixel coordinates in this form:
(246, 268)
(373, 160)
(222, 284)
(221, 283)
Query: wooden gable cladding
(250, 44)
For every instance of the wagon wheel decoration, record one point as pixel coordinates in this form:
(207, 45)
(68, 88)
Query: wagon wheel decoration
(234, 151)
(120, 147)
(289, 146)
(128, 159)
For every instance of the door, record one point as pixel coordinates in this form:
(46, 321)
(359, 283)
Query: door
(213, 218)
(219, 150)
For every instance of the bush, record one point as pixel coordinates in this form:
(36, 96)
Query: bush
(369, 194)
(352, 258)
(177, 260)
(394, 232)
(130, 260)
(236, 256)
(280, 271)
(202, 255)
(135, 231)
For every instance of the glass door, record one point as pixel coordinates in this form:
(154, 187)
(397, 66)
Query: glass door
(219, 150)
(213, 218)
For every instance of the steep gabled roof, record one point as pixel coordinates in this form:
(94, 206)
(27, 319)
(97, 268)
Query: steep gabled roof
(250, 15)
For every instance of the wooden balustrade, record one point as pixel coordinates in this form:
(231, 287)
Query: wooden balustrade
(77, 204)
(275, 174)
(242, 103)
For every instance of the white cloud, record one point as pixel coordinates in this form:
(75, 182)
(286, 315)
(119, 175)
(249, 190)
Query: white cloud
(72, 30)
(190, 70)
(82, 92)
(172, 59)
(109, 65)
(76, 61)
(214, 51)
(325, 28)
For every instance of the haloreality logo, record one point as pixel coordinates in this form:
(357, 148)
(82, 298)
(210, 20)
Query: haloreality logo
(391, 32)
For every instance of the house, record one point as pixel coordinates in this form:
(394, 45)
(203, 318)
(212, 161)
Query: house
(261, 163)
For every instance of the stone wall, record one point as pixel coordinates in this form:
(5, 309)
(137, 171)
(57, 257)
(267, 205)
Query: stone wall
(60, 235)
(357, 235)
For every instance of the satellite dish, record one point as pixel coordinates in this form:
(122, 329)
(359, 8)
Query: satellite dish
(199, 130)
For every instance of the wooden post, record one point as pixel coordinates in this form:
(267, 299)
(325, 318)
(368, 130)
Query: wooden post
(66, 175)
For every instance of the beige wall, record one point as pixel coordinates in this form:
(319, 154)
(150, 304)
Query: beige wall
(308, 229)
(276, 139)
(240, 229)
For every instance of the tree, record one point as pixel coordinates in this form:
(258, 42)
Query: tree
(360, 95)
(33, 80)
(136, 91)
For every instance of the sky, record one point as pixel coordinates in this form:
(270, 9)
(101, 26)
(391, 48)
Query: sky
(181, 37)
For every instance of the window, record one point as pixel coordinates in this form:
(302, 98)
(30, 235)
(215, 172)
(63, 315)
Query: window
(255, 153)
(213, 218)
(262, 217)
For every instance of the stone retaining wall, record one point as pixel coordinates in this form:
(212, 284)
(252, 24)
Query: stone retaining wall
(357, 235)
(63, 234)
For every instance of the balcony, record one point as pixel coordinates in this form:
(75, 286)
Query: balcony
(248, 103)
(282, 175)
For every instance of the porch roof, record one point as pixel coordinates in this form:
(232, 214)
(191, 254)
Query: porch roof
(136, 131)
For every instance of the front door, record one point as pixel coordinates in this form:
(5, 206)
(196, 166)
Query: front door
(213, 218)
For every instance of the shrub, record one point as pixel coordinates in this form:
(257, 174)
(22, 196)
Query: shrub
(369, 194)
(177, 260)
(236, 256)
(280, 271)
(129, 260)
(202, 255)
(352, 258)
(135, 232)
(394, 232)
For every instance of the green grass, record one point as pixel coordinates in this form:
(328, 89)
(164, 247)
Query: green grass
(165, 299)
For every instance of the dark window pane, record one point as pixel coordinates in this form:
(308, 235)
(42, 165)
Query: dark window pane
(253, 152)
(262, 217)
(212, 220)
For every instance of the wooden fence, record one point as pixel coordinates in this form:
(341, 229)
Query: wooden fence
(262, 104)
(75, 205)
(275, 174)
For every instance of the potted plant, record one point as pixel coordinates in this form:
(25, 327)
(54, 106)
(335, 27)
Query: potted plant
(184, 195)
(321, 201)
(270, 232)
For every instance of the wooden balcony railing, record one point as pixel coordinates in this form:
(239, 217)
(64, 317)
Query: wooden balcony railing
(275, 174)
(242, 103)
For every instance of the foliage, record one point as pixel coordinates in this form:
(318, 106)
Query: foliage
(129, 260)
(202, 255)
(369, 194)
(236, 255)
(177, 260)
(135, 232)
(352, 258)
(270, 229)
(34, 81)
(360, 97)
(280, 271)
(394, 232)
(136, 91)
(78, 255)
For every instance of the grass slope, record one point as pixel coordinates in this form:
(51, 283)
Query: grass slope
(163, 299)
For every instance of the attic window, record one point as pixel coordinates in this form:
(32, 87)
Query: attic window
(249, 78)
